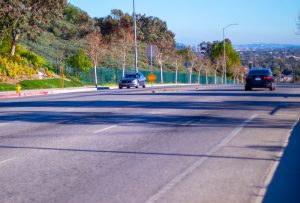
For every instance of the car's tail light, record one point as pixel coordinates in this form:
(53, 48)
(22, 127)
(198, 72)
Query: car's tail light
(268, 78)
(249, 78)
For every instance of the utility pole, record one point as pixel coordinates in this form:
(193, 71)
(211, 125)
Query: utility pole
(135, 39)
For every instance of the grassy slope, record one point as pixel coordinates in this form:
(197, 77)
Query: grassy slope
(40, 84)
(7, 87)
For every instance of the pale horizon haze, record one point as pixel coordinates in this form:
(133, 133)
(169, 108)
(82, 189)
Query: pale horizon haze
(194, 21)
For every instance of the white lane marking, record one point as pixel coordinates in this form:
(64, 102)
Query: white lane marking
(3, 124)
(117, 125)
(104, 129)
(7, 160)
(179, 178)
(127, 122)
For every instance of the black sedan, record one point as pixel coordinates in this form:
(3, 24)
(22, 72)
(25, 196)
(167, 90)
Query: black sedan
(260, 78)
(133, 80)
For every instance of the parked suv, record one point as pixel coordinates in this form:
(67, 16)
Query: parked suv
(260, 78)
(133, 80)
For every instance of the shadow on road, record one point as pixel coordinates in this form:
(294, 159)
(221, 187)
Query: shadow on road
(285, 185)
(92, 118)
(134, 153)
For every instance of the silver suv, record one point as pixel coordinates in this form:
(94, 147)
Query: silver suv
(133, 80)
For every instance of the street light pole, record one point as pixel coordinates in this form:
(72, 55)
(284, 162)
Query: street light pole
(135, 39)
(224, 52)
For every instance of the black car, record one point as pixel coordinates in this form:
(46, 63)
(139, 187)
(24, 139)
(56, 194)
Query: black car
(133, 80)
(260, 78)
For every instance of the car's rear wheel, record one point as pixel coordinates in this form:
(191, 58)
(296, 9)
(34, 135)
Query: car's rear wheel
(248, 88)
(120, 87)
(272, 88)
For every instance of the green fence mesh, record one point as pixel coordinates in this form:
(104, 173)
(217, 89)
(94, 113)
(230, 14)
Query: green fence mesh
(113, 75)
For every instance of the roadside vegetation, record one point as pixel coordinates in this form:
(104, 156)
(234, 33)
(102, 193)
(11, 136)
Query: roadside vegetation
(57, 40)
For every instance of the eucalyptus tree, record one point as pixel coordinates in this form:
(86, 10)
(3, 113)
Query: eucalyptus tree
(155, 31)
(19, 17)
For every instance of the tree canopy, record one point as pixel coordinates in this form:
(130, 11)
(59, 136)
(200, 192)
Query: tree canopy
(19, 16)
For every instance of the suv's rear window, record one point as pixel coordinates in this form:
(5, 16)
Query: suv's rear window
(259, 72)
(130, 76)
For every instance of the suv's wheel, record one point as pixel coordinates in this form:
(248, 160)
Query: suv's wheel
(248, 88)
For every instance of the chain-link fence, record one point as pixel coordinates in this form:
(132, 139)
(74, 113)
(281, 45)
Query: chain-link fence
(112, 76)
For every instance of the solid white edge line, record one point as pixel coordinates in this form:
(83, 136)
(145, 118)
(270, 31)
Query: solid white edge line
(198, 163)
(262, 192)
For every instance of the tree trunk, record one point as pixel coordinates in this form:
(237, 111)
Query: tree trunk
(199, 76)
(206, 77)
(161, 74)
(222, 78)
(191, 73)
(215, 77)
(123, 69)
(176, 75)
(15, 37)
(124, 63)
(96, 79)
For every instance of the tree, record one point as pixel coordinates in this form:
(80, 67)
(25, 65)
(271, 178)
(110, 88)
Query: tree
(18, 17)
(80, 62)
(199, 67)
(122, 39)
(96, 49)
(155, 31)
(232, 57)
(177, 59)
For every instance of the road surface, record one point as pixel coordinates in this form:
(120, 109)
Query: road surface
(185, 144)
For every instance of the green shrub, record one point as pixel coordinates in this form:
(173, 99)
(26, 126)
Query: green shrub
(35, 59)
(7, 87)
(30, 56)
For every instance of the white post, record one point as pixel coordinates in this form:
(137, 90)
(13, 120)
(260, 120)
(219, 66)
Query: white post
(135, 39)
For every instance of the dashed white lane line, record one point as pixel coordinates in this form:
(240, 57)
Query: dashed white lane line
(114, 126)
(132, 120)
(179, 178)
(6, 161)
(104, 129)
(3, 124)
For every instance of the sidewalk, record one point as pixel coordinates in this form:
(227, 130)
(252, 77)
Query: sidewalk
(36, 92)
(285, 185)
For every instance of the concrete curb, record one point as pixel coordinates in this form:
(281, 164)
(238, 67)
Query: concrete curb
(27, 93)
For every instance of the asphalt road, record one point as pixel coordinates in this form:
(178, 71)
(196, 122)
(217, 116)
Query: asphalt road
(187, 144)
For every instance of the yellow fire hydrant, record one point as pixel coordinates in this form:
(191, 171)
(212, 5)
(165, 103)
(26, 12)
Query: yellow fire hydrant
(18, 88)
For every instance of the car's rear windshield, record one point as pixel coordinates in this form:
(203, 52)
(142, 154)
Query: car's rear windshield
(130, 76)
(259, 72)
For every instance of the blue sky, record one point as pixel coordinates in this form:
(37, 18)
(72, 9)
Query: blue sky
(193, 21)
